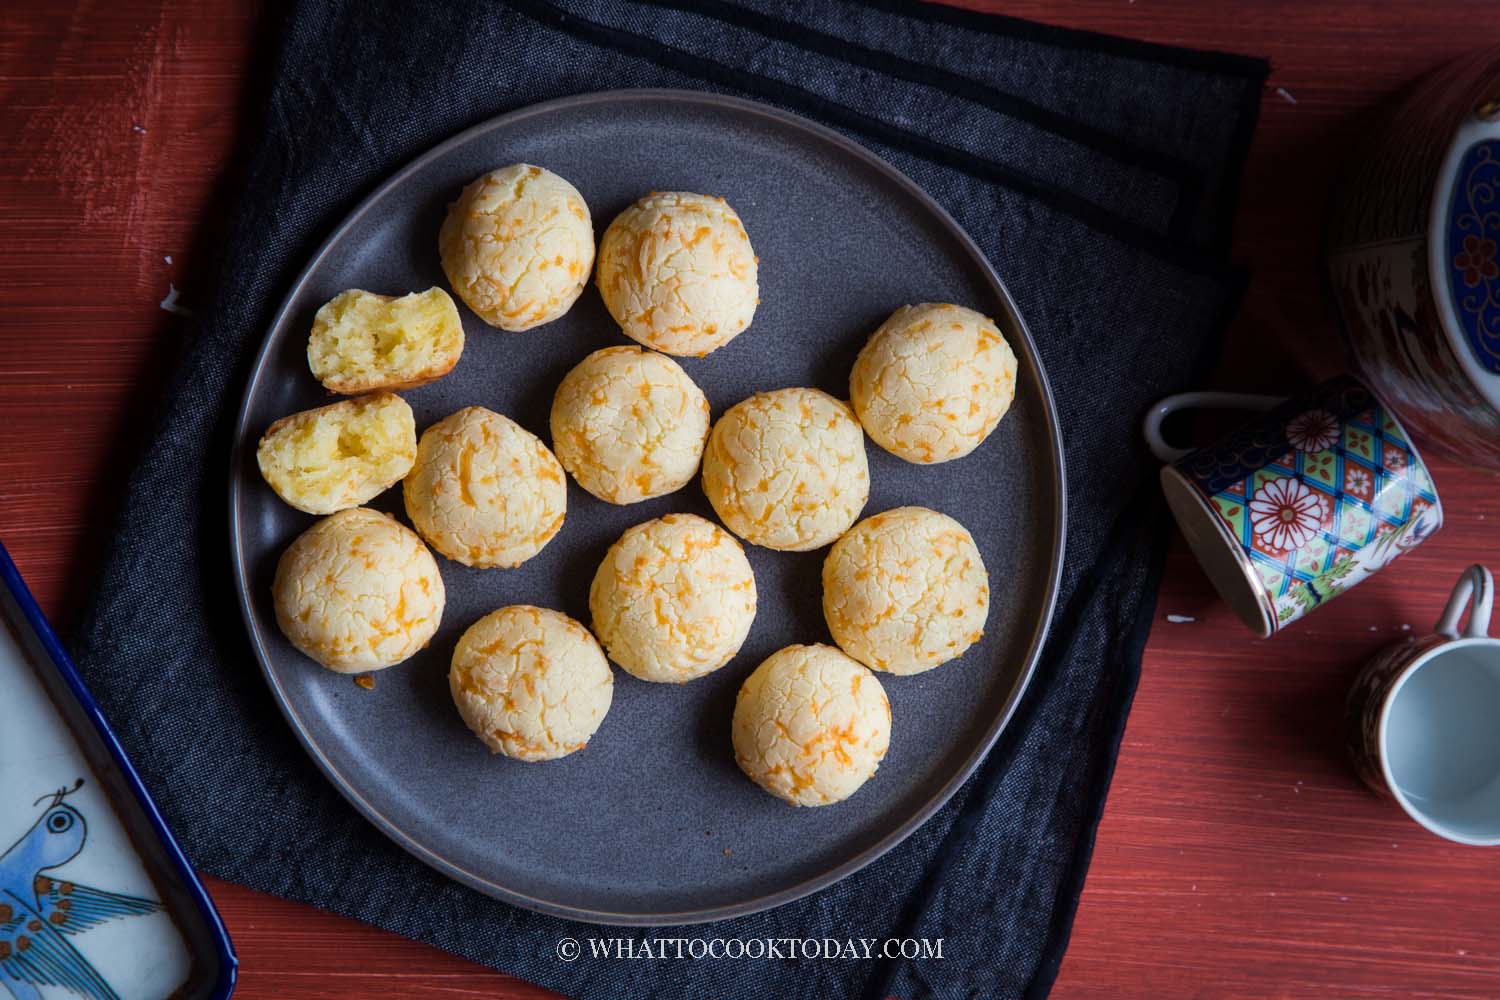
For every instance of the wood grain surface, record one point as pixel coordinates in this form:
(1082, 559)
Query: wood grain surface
(1238, 857)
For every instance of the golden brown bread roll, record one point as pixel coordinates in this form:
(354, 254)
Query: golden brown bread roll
(362, 342)
(341, 455)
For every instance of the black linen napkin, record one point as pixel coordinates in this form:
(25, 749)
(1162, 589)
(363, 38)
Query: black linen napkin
(1107, 219)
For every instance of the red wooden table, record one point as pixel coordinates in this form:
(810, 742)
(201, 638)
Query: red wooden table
(1237, 857)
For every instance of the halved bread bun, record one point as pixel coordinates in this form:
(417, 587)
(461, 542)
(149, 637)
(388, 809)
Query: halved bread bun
(364, 342)
(341, 455)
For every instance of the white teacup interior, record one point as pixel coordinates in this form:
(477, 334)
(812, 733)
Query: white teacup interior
(1440, 737)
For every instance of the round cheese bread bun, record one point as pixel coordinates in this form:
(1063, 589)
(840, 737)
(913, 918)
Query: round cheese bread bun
(485, 491)
(931, 384)
(906, 590)
(517, 246)
(629, 424)
(358, 591)
(811, 725)
(531, 683)
(673, 599)
(341, 455)
(362, 342)
(787, 469)
(677, 273)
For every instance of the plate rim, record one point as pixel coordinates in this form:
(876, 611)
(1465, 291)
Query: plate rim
(830, 875)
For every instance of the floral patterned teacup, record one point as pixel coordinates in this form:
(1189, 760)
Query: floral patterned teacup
(1420, 720)
(1300, 504)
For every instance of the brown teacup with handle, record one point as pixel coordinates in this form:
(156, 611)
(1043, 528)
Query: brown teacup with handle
(1421, 720)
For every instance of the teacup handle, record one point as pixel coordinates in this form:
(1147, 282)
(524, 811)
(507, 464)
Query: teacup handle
(1480, 585)
(1163, 408)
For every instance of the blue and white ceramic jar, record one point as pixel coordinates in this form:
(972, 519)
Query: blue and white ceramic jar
(1414, 258)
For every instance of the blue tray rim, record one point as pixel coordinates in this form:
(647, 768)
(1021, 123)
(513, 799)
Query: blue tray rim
(176, 859)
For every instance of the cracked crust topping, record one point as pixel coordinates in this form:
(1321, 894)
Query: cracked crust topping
(341, 455)
(517, 246)
(673, 599)
(905, 591)
(530, 682)
(677, 272)
(358, 591)
(787, 469)
(932, 382)
(363, 342)
(811, 725)
(485, 491)
(629, 424)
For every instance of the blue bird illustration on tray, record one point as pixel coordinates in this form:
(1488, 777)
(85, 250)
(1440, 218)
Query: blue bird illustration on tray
(38, 913)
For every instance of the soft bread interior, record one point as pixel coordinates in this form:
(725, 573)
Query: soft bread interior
(362, 342)
(341, 455)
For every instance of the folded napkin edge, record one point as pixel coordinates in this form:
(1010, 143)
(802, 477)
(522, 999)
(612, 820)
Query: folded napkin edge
(1190, 257)
(1207, 60)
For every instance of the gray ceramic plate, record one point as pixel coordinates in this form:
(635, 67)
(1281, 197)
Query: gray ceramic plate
(653, 822)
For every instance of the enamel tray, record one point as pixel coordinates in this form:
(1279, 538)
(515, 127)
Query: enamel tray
(96, 898)
(653, 822)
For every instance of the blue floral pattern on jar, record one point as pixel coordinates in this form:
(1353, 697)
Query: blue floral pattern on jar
(1473, 239)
